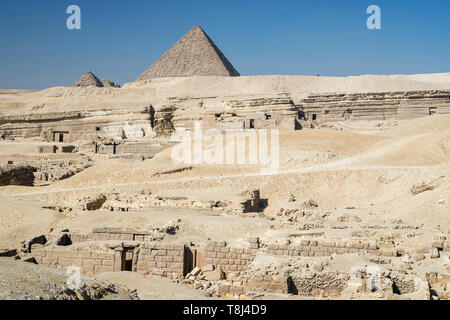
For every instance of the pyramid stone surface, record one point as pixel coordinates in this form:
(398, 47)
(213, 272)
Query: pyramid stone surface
(195, 54)
(88, 79)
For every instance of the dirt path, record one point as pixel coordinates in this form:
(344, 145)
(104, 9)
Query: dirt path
(319, 168)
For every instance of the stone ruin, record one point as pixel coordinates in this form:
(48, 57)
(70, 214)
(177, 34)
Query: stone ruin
(246, 271)
(379, 266)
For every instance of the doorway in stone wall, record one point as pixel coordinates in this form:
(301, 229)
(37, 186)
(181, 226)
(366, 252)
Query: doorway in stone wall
(193, 257)
(127, 260)
(189, 257)
(152, 117)
(59, 136)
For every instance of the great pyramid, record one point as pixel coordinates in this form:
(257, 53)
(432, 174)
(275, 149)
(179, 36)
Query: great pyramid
(88, 79)
(195, 54)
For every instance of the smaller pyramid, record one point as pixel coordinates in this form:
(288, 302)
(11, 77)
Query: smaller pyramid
(88, 79)
(108, 83)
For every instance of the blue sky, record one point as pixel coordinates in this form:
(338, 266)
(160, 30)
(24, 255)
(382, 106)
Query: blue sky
(120, 39)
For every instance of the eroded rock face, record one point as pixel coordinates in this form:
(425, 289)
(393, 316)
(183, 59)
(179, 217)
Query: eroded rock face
(16, 175)
(374, 106)
(52, 125)
(237, 113)
(163, 121)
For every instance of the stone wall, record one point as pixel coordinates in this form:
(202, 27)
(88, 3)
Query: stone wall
(320, 248)
(161, 258)
(143, 258)
(89, 261)
(274, 284)
(117, 249)
(229, 259)
(106, 234)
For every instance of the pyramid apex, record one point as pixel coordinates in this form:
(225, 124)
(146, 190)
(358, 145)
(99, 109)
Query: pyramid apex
(197, 29)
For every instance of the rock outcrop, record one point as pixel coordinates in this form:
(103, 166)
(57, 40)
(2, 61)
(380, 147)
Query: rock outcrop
(16, 175)
(374, 106)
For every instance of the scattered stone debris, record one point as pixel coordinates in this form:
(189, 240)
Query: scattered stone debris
(416, 189)
(348, 218)
(291, 197)
(311, 204)
(170, 227)
(63, 210)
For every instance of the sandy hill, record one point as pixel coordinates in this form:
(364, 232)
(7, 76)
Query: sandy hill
(156, 91)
